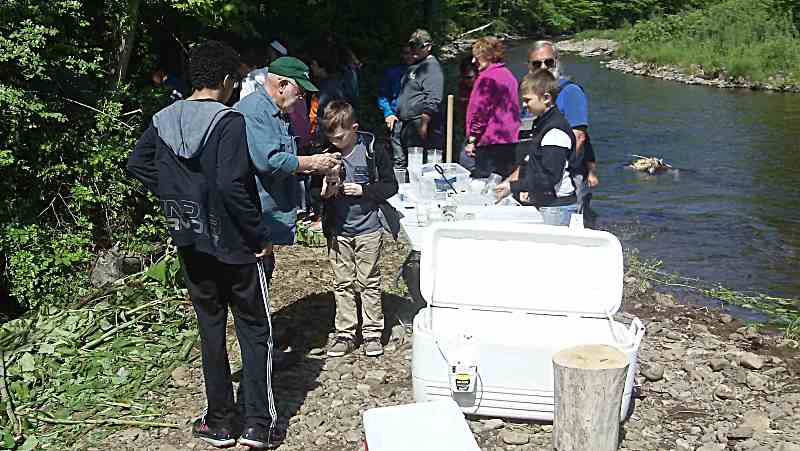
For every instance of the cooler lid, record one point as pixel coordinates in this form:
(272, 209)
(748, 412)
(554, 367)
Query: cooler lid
(524, 267)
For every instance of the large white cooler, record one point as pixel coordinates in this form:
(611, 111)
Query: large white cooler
(502, 299)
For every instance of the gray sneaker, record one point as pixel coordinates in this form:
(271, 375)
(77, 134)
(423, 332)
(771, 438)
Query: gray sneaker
(341, 346)
(373, 347)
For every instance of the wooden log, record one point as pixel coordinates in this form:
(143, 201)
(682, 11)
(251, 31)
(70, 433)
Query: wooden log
(589, 383)
(449, 153)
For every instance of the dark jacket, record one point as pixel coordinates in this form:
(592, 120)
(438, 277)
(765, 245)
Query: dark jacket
(194, 158)
(543, 158)
(382, 186)
(421, 90)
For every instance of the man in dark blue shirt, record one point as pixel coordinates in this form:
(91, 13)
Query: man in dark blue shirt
(387, 101)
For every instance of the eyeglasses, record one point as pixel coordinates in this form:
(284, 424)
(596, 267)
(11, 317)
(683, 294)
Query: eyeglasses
(300, 91)
(548, 63)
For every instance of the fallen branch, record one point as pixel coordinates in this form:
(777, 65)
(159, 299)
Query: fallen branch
(95, 343)
(112, 421)
(12, 417)
(474, 30)
(96, 110)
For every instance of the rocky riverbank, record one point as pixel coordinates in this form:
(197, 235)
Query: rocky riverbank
(706, 381)
(694, 75)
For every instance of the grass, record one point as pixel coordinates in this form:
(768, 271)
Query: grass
(785, 312)
(750, 39)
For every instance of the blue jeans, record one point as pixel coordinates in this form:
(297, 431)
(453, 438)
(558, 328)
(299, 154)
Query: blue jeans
(558, 215)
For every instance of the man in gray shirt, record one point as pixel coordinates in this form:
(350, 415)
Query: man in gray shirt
(419, 102)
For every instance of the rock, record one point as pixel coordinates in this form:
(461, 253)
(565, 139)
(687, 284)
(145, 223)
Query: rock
(700, 329)
(740, 433)
(375, 377)
(314, 422)
(751, 361)
(363, 388)
(107, 268)
(711, 447)
(316, 351)
(382, 391)
(756, 420)
(181, 376)
(492, 424)
(786, 446)
(683, 445)
(709, 437)
(756, 382)
(352, 436)
(514, 438)
(719, 364)
(653, 372)
(724, 392)
(665, 299)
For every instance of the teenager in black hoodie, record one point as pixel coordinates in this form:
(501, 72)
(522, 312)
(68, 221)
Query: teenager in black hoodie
(194, 158)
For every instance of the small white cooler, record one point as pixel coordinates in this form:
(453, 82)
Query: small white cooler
(502, 299)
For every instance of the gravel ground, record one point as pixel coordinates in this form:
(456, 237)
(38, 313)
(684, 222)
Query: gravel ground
(706, 381)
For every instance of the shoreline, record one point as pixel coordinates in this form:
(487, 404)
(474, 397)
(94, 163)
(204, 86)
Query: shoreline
(706, 381)
(608, 48)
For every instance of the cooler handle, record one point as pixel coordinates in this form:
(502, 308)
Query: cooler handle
(637, 330)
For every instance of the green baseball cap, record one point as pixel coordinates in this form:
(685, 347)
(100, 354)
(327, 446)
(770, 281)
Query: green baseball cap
(291, 67)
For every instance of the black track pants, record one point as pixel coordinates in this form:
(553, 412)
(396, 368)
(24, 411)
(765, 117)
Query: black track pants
(213, 286)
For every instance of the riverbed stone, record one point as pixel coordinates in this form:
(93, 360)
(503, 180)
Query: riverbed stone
(756, 420)
(375, 377)
(756, 382)
(751, 361)
(514, 438)
(653, 372)
(724, 392)
(710, 447)
(719, 364)
(740, 433)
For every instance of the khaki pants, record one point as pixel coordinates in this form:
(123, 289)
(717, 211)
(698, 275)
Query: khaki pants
(355, 267)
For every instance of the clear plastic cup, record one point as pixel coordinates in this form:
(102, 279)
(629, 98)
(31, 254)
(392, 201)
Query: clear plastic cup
(491, 183)
(400, 175)
(415, 157)
(553, 215)
(435, 156)
(422, 214)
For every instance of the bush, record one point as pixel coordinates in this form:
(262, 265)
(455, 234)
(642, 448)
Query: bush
(755, 39)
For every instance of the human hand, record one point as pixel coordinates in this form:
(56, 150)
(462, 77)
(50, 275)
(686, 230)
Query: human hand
(502, 190)
(469, 149)
(264, 252)
(390, 121)
(353, 189)
(423, 127)
(592, 180)
(323, 162)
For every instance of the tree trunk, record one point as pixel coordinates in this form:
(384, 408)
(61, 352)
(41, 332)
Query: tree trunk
(127, 38)
(589, 383)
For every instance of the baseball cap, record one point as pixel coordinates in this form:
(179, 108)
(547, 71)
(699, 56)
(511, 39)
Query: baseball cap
(291, 67)
(419, 39)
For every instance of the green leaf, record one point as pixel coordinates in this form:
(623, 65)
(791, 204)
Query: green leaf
(158, 271)
(30, 443)
(27, 363)
(47, 348)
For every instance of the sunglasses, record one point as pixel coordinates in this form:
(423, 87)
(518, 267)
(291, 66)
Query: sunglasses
(548, 63)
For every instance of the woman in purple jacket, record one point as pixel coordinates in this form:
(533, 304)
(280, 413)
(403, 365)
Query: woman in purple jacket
(492, 112)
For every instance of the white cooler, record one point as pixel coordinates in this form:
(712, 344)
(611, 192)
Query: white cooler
(502, 299)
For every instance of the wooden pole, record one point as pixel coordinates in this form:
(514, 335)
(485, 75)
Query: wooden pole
(449, 158)
(589, 383)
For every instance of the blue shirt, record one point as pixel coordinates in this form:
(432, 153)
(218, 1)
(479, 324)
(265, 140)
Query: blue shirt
(274, 154)
(572, 103)
(390, 89)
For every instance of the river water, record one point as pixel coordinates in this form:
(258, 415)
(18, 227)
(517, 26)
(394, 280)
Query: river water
(731, 213)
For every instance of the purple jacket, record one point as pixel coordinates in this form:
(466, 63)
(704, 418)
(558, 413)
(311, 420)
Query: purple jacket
(493, 110)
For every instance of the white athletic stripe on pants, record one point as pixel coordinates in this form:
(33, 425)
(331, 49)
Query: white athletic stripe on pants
(273, 413)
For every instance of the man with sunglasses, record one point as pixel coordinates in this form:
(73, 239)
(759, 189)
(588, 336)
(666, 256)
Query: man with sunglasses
(419, 102)
(572, 102)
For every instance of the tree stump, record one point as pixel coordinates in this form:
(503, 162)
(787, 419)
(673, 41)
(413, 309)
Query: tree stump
(589, 383)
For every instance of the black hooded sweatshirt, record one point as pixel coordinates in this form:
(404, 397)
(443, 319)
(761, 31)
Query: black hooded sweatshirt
(194, 158)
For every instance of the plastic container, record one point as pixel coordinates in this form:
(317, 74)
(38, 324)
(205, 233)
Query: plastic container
(455, 173)
(513, 317)
(430, 426)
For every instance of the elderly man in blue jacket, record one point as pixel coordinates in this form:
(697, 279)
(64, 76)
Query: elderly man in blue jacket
(273, 149)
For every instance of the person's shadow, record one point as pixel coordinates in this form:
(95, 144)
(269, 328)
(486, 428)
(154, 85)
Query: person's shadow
(301, 330)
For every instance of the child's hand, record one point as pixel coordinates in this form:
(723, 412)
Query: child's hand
(353, 189)
(502, 190)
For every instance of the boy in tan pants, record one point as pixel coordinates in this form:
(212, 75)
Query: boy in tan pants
(352, 221)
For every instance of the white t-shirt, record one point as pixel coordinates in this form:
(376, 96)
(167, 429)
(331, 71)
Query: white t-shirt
(251, 82)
